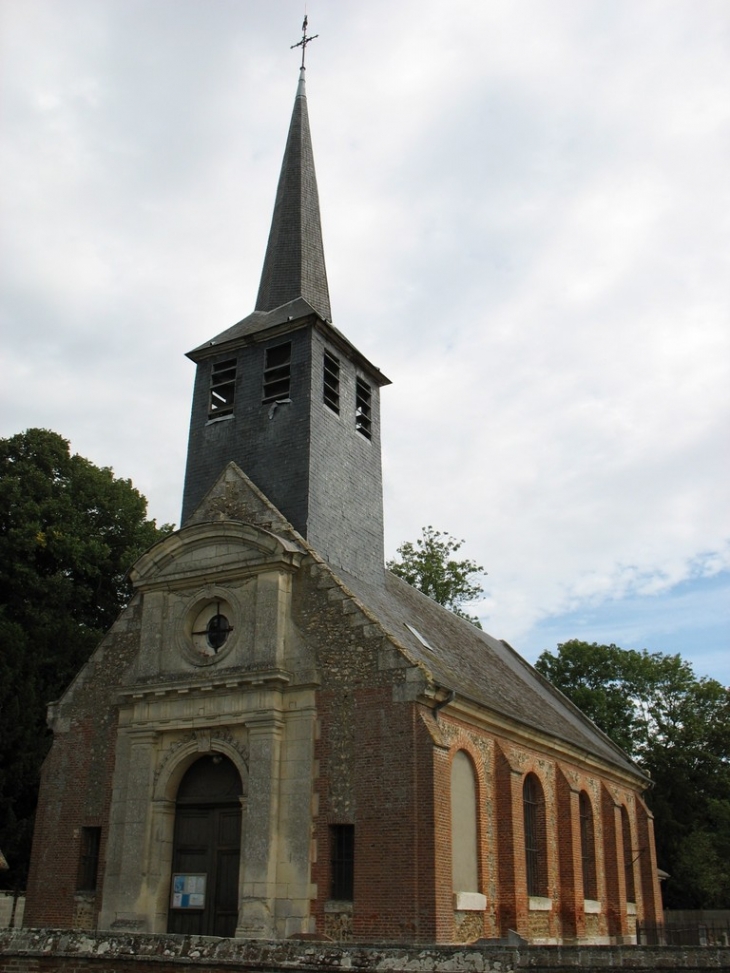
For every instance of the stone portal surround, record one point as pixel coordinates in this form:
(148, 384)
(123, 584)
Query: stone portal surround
(25, 950)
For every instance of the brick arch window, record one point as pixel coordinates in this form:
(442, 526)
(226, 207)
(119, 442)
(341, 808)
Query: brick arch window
(533, 802)
(587, 846)
(628, 855)
(464, 828)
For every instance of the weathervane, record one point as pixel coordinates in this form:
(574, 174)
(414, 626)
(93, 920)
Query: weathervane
(304, 41)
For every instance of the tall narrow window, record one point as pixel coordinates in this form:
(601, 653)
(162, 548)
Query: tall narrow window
(332, 382)
(464, 827)
(222, 388)
(277, 372)
(587, 846)
(533, 803)
(89, 859)
(363, 408)
(628, 855)
(342, 837)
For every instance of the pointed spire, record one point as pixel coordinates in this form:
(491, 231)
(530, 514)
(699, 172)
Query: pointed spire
(294, 263)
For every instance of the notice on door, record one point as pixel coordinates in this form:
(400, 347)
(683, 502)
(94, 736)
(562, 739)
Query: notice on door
(188, 891)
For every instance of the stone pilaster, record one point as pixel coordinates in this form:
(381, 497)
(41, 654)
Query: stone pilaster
(256, 918)
(126, 880)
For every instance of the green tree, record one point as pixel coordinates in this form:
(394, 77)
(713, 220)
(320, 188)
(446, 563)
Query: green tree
(429, 565)
(69, 531)
(676, 726)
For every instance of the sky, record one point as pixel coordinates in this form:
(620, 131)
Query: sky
(526, 218)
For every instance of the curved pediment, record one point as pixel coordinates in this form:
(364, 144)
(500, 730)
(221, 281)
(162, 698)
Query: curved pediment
(214, 550)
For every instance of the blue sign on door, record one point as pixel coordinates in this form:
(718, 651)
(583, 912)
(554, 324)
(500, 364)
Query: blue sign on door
(188, 891)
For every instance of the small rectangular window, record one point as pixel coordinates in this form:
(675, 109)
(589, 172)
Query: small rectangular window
(89, 859)
(222, 388)
(342, 837)
(277, 372)
(363, 408)
(332, 382)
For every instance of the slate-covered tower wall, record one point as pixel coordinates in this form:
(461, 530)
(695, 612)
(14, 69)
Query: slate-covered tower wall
(311, 462)
(270, 444)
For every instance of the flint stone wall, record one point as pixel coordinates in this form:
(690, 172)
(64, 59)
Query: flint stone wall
(61, 951)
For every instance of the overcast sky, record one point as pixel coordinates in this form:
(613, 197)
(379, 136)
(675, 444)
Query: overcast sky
(525, 209)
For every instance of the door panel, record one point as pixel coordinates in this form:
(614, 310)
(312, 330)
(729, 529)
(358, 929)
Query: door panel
(226, 893)
(207, 841)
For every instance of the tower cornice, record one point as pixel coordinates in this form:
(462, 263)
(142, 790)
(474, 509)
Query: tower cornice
(262, 326)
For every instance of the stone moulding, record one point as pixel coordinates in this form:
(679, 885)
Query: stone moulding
(469, 902)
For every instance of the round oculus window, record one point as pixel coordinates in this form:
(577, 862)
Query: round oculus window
(212, 629)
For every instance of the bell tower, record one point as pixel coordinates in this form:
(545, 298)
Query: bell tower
(286, 396)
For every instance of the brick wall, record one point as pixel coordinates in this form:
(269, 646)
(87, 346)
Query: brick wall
(76, 780)
(373, 760)
(562, 914)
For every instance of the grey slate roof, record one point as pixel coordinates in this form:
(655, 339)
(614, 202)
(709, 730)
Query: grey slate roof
(295, 313)
(294, 263)
(479, 667)
(255, 323)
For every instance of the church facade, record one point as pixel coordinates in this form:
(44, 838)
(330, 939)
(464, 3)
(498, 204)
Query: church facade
(278, 738)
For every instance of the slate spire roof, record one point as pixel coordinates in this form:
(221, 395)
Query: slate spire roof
(294, 263)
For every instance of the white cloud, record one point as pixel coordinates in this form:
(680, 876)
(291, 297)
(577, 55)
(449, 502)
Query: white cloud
(525, 218)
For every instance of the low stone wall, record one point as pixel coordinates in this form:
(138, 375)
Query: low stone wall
(60, 951)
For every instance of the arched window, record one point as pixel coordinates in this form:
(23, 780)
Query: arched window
(533, 801)
(464, 845)
(587, 847)
(628, 855)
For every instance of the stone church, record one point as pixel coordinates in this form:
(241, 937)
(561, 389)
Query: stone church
(279, 738)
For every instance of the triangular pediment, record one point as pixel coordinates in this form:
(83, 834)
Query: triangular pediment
(234, 530)
(213, 552)
(234, 496)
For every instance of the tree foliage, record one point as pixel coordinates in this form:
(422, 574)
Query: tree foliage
(69, 531)
(429, 565)
(677, 728)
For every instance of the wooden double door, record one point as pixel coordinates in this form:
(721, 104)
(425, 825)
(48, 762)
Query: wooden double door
(207, 850)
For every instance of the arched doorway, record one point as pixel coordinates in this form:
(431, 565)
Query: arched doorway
(206, 850)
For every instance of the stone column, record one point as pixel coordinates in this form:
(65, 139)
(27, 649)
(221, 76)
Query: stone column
(160, 865)
(294, 891)
(126, 899)
(256, 919)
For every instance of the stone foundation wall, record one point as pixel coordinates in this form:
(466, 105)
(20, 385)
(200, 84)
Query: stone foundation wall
(61, 951)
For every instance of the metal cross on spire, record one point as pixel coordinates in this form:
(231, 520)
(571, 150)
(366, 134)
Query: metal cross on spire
(304, 41)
